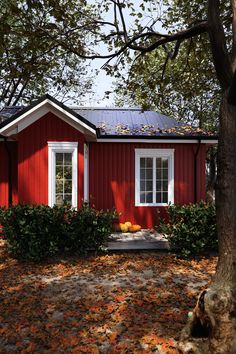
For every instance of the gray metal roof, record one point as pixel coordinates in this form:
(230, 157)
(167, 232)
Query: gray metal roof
(116, 122)
(9, 111)
(129, 121)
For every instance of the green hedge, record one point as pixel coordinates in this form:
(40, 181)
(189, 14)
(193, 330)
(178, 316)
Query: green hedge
(38, 232)
(190, 229)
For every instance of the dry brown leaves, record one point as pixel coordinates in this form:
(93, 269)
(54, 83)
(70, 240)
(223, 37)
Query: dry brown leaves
(118, 303)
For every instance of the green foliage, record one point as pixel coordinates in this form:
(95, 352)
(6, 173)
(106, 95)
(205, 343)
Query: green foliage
(32, 59)
(184, 88)
(191, 229)
(89, 229)
(38, 232)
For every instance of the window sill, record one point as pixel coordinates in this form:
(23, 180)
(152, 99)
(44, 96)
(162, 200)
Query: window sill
(152, 204)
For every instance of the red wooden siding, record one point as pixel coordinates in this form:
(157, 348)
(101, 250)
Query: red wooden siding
(33, 157)
(112, 174)
(4, 173)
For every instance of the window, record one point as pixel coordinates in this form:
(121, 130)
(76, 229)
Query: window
(62, 179)
(154, 176)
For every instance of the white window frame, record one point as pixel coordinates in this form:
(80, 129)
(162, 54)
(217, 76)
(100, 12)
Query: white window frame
(62, 147)
(154, 153)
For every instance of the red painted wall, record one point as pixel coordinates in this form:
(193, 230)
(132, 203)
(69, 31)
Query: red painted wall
(111, 170)
(4, 173)
(112, 173)
(33, 157)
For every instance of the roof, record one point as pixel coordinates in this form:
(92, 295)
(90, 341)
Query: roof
(118, 122)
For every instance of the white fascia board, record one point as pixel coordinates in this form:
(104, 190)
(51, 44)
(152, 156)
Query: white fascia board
(38, 111)
(151, 141)
(215, 141)
(14, 123)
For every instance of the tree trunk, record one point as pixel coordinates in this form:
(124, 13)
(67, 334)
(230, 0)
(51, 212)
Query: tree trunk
(212, 326)
(211, 175)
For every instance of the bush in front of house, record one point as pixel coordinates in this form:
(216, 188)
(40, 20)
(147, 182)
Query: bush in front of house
(33, 232)
(36, 232)
(89, 229)
(190, 229)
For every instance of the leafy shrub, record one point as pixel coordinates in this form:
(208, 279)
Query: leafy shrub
(37, 232)
(89, 229)
(190, 229)
(32, 232)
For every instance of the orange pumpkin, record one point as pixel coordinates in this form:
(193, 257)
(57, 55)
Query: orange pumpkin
(124, 228)
(134, 228)
(128, 223)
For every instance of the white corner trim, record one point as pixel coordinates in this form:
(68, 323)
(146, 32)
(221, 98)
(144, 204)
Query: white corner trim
(86, 173)
(54, 147)
(167, 153)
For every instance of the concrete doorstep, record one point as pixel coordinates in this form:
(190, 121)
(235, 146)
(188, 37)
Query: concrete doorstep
(141, 240)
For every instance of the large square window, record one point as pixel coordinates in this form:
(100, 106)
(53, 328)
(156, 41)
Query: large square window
(154, 176)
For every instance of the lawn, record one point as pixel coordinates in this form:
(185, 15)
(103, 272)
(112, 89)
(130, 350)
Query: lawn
(117, 303)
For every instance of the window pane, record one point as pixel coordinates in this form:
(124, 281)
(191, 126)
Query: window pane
(148, 185)
(165, 186)
(165, 173)
(59, 186)
(142, 173)
(165, 197)
(68, 186)
(142, 197)
(158, 162)
(149, 173)
(158, 186)
(59, 172)
(158, 174)
(142, 162)
(149, 162)
(68, 159)
(149, 197)
(59, 158)
(68, 198)
(142, 185)
(59, 199)
(165, 163)
(158, 197)
(68, 172)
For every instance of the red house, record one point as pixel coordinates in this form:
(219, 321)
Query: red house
(132, 160)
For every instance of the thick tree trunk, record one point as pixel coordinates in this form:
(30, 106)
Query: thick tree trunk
(212, 326)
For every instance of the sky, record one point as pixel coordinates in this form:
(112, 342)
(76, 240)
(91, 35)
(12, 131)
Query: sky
(103, 82)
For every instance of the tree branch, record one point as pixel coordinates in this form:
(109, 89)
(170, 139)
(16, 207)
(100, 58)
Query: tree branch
(218, 45)
(201, 27)
(178, 36)
(122, 21)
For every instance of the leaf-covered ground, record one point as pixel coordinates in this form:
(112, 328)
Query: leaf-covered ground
(118, 303)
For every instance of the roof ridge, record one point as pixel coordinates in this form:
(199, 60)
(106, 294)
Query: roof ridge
(106, 108)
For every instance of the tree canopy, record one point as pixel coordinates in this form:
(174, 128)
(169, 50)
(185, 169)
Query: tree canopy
(32, 60)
